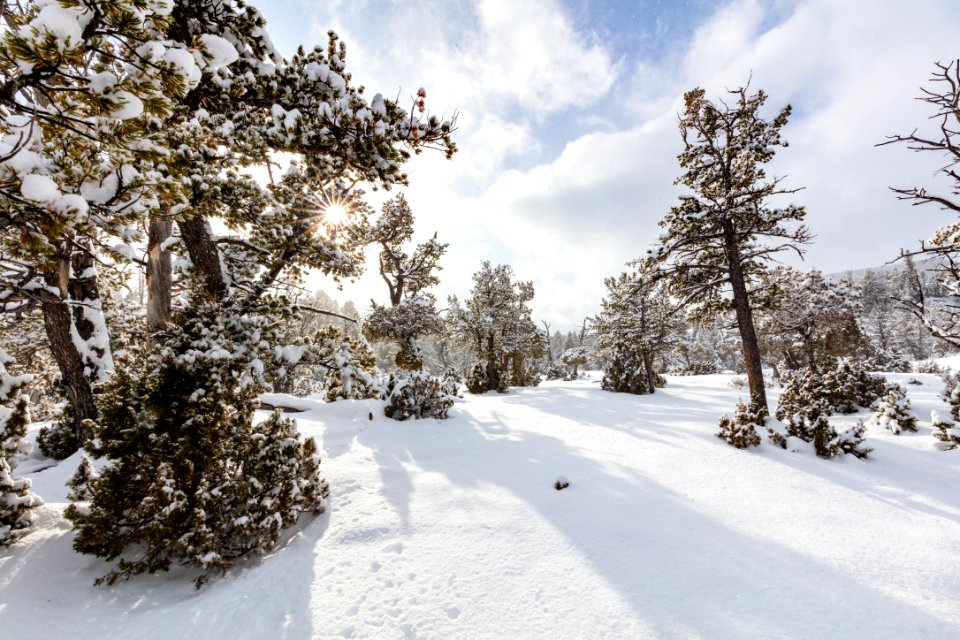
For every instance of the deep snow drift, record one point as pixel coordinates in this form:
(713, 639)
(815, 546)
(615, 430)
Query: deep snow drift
(453, 529)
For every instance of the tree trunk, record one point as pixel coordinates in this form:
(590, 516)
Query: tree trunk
(204, 255)
(58, 323)
(748, 333)
(493, 379)
(159, 277)
(648, 370)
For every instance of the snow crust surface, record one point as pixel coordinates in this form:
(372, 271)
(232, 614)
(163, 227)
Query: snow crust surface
(453, 529)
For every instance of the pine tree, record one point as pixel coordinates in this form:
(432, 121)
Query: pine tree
(714, 238)
(206, 485)
(892, 411)
(810, 321)
(496, 322)
(635, 326)
(412, 312)
(190, 478)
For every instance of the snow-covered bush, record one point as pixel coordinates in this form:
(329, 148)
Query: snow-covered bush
(929, 366)
(480, 382)
(626, 372)
(16, 500)
(892, 411)
(59, 440)
(741, 430)
(16, 505)
(945, 431)
(951, 393)
(13, 419)
(842, 390)
(555, 372)
(452, 383)
(190, 478)
(417, 395)
(850, 386)
(807, 401)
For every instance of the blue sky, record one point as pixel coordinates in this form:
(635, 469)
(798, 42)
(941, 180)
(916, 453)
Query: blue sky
(567, 120)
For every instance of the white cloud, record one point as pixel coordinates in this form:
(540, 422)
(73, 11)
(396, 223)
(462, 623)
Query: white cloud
(850, 69)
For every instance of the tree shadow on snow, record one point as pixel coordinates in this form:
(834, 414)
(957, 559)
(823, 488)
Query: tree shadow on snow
(683, 572)
(165, 604)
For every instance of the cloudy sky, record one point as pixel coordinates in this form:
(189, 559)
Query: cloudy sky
(568, 109)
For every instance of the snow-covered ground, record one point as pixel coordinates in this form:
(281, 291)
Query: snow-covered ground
(453, 529)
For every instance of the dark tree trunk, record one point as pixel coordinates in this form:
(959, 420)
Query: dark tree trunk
(58, 321)
(204, 255)
(493, 377)
(648, 370)
(748, 334)
(159, 277)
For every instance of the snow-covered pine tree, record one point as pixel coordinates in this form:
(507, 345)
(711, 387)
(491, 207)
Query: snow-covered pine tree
(945, 431)
(14, 418)
(496, 322)
(892, 411)
(207, 486)
(636, 325)
(191, 479)
(80, 142)
(16, 500)
(723, 232)
(810, 321)
(412, 312)
(741, 430)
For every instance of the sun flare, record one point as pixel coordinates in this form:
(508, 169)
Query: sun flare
(334, 213)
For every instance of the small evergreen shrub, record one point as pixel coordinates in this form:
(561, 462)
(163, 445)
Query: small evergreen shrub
(452, 383)
(477, 381)
(741, 430)
(418, 395)
(555, 372)
(13, 431)
(951, 393)
(16, 505)
(945, 431)
(625, 373)
(808, 399)
(929, 366)
(892, 411)
(16, 500)
(59, 440)
(190, 478)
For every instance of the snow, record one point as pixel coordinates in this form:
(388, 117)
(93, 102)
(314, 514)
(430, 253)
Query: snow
(453, 529)
(220, 53)
(39, 188)
(65, 25)
(129, 106)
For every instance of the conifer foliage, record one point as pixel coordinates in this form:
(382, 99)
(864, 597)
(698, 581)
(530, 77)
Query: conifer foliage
(16, 500)
(741, 430)
(724, 231)
(636, 325)
(496, 322)
(417, 395)
(190, 478)
(808, 400)
(892, 410)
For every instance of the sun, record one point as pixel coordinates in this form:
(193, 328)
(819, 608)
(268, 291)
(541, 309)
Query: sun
(334, 213)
